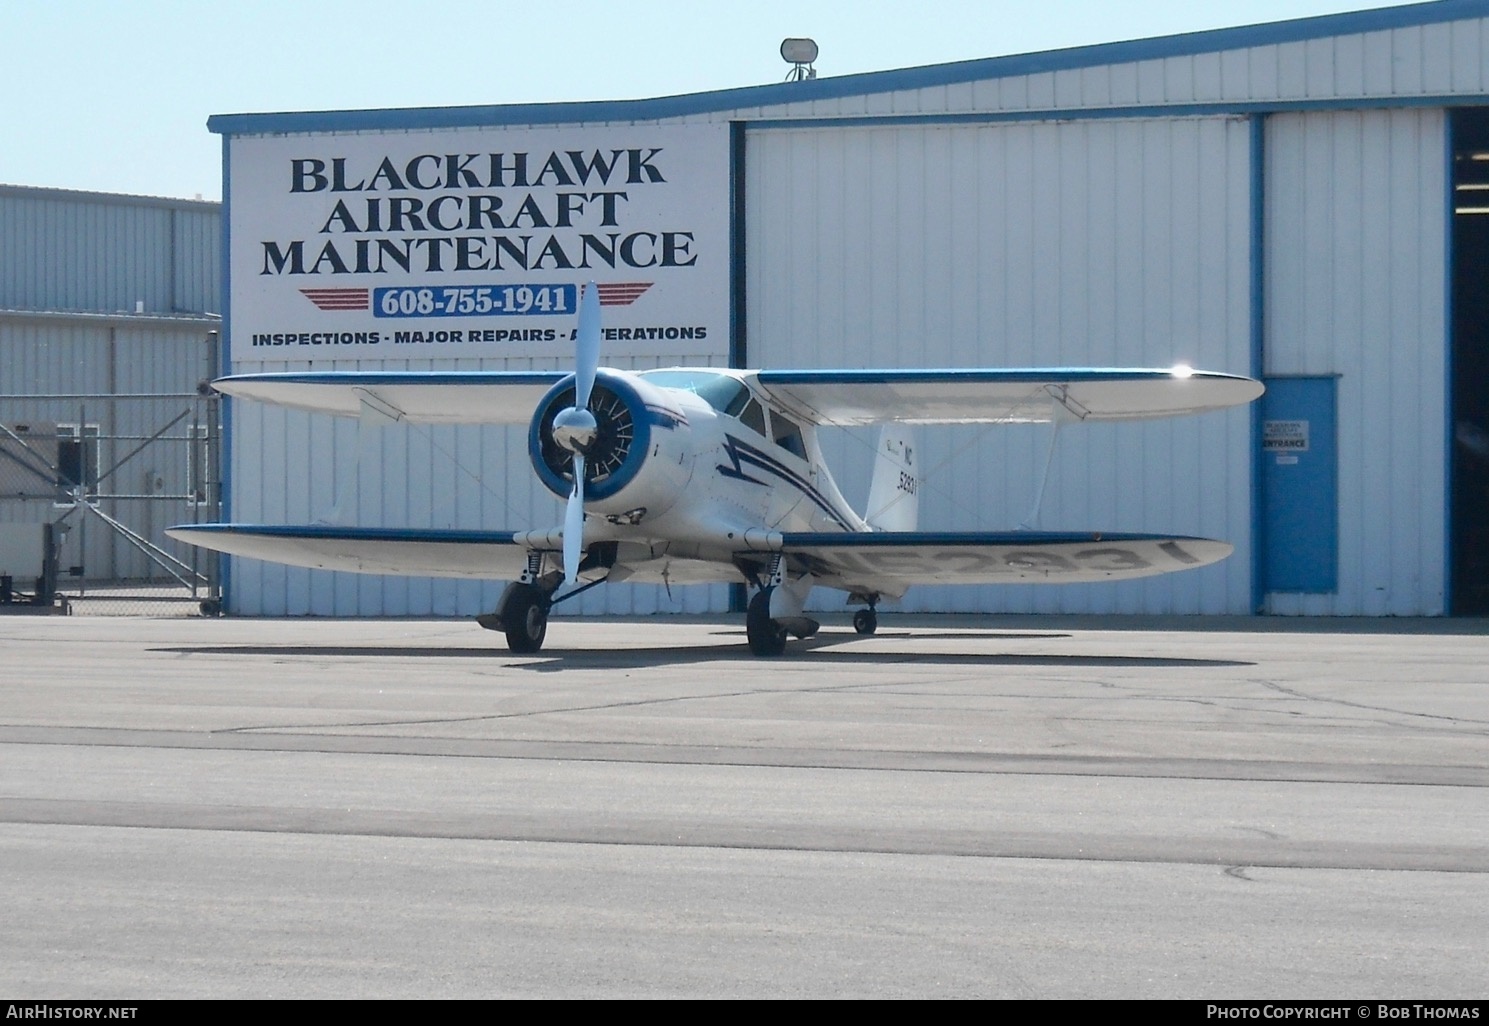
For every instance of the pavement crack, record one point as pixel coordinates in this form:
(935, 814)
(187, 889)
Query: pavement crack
(1367, 707)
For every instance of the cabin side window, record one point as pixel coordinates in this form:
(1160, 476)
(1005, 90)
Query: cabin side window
(787, 434)
(753, 417)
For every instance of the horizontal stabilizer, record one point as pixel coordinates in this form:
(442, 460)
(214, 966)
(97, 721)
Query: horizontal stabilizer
(481, 555)
(1003, 396)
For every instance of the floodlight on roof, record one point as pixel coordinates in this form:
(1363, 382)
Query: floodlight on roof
(800, 53)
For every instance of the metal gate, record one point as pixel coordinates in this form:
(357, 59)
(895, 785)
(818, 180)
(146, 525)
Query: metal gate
(110, 473)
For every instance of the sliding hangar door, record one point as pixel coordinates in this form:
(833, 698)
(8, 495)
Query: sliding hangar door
(1093, 243)
(1355, 344)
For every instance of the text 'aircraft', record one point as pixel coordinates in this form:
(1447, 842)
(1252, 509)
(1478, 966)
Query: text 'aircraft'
(706, 475)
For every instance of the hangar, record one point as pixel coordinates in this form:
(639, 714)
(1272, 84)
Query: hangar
(1298, 201)
(108, 334)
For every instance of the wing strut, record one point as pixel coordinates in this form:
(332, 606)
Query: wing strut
(373, 413)
(1061, 411)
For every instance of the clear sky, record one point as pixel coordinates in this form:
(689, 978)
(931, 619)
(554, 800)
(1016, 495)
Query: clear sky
(114, 96)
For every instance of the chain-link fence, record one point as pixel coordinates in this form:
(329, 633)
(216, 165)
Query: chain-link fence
(88, 485)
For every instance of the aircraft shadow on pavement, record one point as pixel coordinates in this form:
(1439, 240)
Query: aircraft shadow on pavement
(835, 648)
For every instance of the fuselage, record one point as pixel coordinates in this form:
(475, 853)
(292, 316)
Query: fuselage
(692, 465)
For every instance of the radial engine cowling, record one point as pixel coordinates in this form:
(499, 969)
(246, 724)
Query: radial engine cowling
(640, 458)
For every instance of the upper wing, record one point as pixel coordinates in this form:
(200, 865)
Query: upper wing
(482, 555)
(982, 396)
(429, 397)
(889, 562)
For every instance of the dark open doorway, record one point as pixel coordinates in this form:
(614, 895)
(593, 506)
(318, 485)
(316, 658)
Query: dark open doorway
(1470, 449)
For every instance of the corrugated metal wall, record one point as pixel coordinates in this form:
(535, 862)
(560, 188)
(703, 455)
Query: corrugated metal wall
(1096, 243)
(89, 360)
(1356, 247)
(73, 266)
(45, 355)
(77, 251)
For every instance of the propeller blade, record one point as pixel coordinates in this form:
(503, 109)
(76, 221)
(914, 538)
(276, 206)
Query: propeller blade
(574, 525)
(587, 346)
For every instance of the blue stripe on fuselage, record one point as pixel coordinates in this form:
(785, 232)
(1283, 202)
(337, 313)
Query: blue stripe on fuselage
(741, 453)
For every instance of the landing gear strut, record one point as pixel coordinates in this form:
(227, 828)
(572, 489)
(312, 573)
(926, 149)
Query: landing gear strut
(766, 636)
(522, 612)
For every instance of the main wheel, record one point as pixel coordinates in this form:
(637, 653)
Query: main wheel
(525, 619)
(865, 621)
(767, 638)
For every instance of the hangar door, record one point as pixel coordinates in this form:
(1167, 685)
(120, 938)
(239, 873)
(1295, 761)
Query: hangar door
(1300, 485)
(1356, 283)
(1087, 243)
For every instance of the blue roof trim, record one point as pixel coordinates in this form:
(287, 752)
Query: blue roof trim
(667, 107)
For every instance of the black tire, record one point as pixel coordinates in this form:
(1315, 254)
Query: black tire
(865, 621)
(767, 638)
(525, 618)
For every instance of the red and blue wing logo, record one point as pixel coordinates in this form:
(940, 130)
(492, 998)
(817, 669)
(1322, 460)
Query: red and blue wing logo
(337, 299)
(621, 293)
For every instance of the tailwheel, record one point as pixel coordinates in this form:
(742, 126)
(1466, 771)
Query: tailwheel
(865, 621)
(525, 619)
(767, 638)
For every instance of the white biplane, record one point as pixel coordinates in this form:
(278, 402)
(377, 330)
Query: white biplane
(705, 475)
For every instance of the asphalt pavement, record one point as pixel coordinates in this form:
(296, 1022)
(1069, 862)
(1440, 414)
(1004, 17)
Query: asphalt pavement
(954, 807)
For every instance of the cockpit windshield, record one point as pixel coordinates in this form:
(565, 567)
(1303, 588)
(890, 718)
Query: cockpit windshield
(725, 394)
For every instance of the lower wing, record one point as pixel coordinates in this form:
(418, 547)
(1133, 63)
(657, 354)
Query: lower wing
(426, 552)
(884, 563)
(889, 562)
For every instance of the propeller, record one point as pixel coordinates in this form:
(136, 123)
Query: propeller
(575, 428)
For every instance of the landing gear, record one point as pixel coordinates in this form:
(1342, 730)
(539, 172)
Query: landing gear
(767, 638)
(866, 621)
(522, 615)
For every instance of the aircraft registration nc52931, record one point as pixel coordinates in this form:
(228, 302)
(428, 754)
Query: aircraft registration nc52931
(694, 475)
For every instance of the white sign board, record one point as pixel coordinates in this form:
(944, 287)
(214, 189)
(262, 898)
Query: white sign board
(475, 242)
